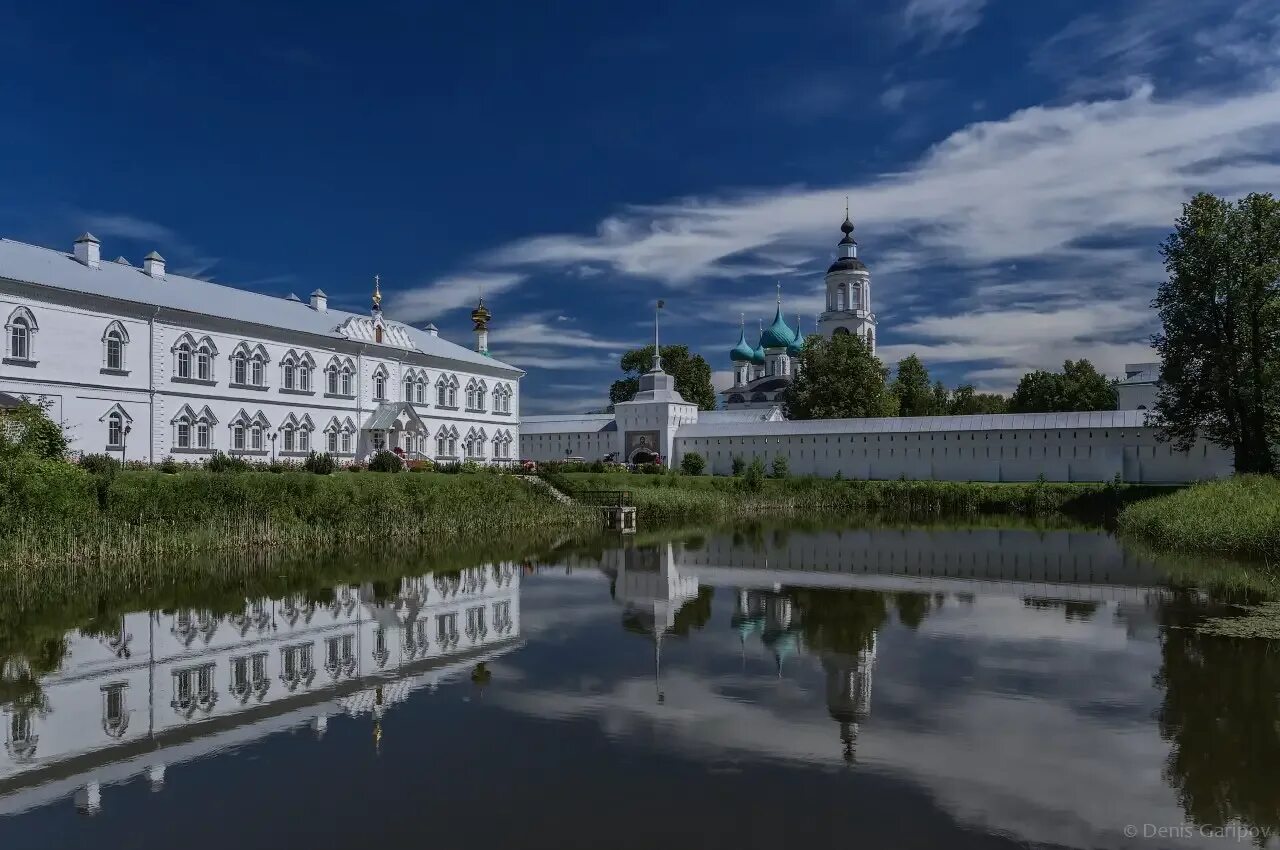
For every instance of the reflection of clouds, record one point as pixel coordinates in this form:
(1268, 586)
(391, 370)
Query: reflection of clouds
(1033, 762)
(557, 605)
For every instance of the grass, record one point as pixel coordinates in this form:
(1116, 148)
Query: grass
(667, 499)
(139, 517)
(1237, 516)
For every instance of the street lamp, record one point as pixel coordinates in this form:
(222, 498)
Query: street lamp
(124, 440)
(273, 446)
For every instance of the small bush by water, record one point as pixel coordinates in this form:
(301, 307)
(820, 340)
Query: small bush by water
(1234, 516)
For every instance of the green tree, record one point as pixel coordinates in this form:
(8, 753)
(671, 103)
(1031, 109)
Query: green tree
(1079, 386)
(839, 378)
(691, 371)
(912, 389)
(1220, 338)
(965, 401)
(692, 463)
(27, 428)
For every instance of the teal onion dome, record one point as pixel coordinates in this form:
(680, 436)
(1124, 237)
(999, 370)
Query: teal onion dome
(742, 352)
(757, 356)
(796, 347)
(779, 334)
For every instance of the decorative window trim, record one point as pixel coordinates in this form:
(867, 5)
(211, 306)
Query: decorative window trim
(197, 381)
(284, 391)
(17, 361)
(260, 388)
(341, 396)
(124, 373)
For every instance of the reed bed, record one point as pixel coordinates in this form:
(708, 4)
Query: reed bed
(1237, 516)
(140, 517)
(665, 499)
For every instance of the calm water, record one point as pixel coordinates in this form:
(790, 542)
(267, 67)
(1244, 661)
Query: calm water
(861, 689)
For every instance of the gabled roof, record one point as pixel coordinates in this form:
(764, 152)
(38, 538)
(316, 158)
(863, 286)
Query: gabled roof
(385, 415)
(48, 267)
(568, 423)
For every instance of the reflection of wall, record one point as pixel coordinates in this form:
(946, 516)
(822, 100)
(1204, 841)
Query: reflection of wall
(186, 674)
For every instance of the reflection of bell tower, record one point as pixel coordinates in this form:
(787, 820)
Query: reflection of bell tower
(849, 693)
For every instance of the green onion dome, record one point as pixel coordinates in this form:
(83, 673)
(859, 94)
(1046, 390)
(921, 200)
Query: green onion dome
(742, 352)
(779, 334)
(796, 347)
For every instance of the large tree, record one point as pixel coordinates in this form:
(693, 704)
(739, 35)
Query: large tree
(839, 378)
(916, 396)
(1079, 386)
(1220, 342)
(966, 400)
(691, 371)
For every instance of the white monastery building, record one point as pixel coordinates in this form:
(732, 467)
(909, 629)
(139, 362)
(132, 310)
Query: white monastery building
(659, 425)
(144, 364)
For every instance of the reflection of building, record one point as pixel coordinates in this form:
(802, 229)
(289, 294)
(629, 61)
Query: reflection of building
(192, 682)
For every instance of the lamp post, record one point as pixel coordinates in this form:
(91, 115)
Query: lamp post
(124, 442)
(273, 446)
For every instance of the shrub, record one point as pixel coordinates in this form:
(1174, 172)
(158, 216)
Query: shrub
(421, 465)
(692, 464)
(226, 463)
(99, 464)
(753, 478)
(470, 466)
(385, 461)
(44, 493)
(169, 465)
(320, 463)
(780, 467)
(28, 429)
(738, 465)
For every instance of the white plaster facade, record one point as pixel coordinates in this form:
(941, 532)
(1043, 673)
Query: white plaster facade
(144, 365)
(169, 687)
(1140, 387)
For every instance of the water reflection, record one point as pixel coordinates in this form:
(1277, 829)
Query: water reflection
(974, 687)
(155, 688)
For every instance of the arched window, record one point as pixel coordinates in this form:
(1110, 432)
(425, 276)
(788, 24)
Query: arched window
(239, 368)
(115, 430)
(346, 441)
(238, 435)
(453, 391)
(288, 436)
(441, 444)
(202, 435)
(346, 381)
(420, 391)
(304, 373)
(482, 393)
(471, 400)
(331, 379)
(840, 296)
(304, 440)
(331, 440)
(204, 362)
(255, 437)
(113, 344)
(183, 362)
(379, 386)
(258, 371)
(408, 387)
(442, 393)
(21, 326)
(841, 330)
(288, 372)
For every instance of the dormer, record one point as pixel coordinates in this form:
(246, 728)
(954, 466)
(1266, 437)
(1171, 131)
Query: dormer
(377, 331)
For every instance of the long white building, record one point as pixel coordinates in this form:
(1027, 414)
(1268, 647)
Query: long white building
(145, 364)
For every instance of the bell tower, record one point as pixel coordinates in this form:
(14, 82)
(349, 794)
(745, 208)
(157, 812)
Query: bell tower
(848, 292)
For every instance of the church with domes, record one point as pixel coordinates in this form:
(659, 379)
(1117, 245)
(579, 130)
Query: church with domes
(762, 373)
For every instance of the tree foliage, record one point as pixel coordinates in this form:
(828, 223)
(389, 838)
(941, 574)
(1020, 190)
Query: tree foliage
(28, 429)
(1220, 339)
(839, 378)
(1079, 386)
(916, 397)
(691, 372)
(965, 401)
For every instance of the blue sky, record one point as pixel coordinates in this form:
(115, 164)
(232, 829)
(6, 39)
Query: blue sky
(1011, 166)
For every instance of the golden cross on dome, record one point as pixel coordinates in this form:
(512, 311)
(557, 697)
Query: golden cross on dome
(377, 290)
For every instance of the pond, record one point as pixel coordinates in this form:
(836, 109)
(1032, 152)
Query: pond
(752, 688)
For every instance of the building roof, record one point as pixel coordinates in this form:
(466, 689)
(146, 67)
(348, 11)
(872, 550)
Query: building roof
(567, 423)
(48, 267)
(751, 414)
(779, 334)
(384, 416)
(922, 424)
(9, 402)
(847, 264)
(1141, 373)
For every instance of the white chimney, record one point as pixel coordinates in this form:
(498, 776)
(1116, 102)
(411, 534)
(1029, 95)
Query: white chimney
(319, 301)
(432, 329)
(153, 264)
(87, 250)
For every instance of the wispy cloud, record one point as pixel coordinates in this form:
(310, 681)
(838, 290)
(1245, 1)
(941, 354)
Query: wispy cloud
(936, 22)
(1058, 187)
(186, 258)
(449, 293)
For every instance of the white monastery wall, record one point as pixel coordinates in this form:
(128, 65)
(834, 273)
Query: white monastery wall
(1084, 453)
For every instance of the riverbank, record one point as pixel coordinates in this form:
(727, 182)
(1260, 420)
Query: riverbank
(1237, 516)
(56, 516)
(671, 498)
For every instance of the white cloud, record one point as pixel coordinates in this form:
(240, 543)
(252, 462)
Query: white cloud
(938, 21)
(449, 293)
(1031, 190)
